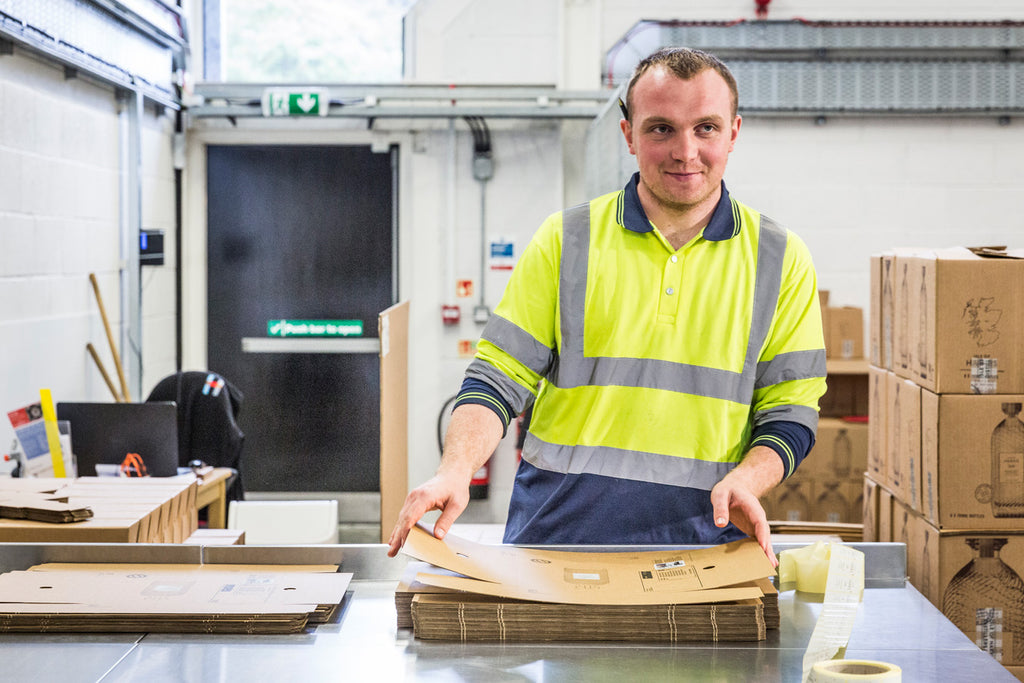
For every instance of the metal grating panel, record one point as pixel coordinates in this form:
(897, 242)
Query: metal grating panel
(93, 39)
(862, 67)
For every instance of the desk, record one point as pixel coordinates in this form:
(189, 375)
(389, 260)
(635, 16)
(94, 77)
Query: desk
(212, 496)
(896, 625)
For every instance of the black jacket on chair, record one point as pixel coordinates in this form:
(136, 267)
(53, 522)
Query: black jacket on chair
(208, 405)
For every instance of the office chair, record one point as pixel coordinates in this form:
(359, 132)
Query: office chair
(208, 406)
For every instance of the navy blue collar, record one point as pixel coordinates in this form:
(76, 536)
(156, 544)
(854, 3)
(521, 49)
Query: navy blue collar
(724, 223)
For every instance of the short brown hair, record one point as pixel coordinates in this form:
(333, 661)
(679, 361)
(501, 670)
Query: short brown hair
(685, 63)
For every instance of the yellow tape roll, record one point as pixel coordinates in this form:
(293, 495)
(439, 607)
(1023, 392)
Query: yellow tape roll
(855, 670)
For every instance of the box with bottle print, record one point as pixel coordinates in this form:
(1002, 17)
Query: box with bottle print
(880, 312)
(960, 320)
(973, 461)
(828, 485)
(903, 440)
(975, 579)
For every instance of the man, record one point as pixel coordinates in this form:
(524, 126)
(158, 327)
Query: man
(675, 337)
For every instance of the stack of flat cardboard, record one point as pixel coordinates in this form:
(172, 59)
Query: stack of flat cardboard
(39, 507)
(503, 593)
(124, 510)
(90, 598)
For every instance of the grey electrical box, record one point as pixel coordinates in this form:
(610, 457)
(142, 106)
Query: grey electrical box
(151, 248)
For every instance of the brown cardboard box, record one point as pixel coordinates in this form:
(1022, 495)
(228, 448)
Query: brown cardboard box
(885, 514)
(886, 321)
(878, 417)
(839, 501)
(1016, 671)
(973, 458)
(794, 499)
(903, 473)
(961, 317)
(844, 337)
(904, 422)
(869, 513)
(975, 579)
(847, 391)
(840, 450)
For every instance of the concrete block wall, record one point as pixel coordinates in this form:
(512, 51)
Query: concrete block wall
(61, 143)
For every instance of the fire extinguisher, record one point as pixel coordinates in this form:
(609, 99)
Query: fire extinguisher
(480, 484)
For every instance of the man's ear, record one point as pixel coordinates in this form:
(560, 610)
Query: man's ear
(627, 132)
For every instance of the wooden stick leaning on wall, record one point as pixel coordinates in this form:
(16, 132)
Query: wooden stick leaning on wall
(103, 371)
(110, 338)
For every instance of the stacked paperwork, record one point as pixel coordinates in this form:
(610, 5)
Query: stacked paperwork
(470, 592)
(169, 598)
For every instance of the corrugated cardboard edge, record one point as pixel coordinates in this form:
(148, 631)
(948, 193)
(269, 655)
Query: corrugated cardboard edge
(393, 325)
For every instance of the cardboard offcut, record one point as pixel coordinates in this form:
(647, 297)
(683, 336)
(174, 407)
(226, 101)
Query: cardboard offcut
(393, 326)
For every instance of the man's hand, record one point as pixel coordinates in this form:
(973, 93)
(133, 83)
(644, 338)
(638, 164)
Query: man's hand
(736, 498)
(736, 504)
(473, 434)
(445, 492)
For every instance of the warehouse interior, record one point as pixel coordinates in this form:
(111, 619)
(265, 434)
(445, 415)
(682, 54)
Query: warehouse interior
(161, 213)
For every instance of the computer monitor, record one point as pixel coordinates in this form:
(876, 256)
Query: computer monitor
(104, 433)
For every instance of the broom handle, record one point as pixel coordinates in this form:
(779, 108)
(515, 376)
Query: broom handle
(103, 371)
(110, 338)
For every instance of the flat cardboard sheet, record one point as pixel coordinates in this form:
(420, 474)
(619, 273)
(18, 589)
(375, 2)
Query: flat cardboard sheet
(619, 578)
(189, 599)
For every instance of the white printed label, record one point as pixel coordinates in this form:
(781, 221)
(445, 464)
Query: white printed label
(1011, 468)
(670, 565)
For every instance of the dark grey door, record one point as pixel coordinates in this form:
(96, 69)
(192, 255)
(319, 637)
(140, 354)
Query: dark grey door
(297, 232)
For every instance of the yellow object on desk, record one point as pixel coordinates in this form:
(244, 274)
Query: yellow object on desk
(52, 434)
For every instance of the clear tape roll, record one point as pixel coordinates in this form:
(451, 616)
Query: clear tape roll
(835, 670)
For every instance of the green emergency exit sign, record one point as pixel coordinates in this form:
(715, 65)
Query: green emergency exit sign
(301, 102)
(314, 328)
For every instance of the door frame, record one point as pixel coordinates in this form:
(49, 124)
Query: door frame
(193, 259)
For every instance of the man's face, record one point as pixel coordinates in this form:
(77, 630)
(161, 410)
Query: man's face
(681, 132)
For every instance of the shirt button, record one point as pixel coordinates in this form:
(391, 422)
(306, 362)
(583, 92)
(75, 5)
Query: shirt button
(670, 291)
(674, 258)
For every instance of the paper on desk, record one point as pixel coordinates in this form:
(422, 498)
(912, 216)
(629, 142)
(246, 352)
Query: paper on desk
(615, 578)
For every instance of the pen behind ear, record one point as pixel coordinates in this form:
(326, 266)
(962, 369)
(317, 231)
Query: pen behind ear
(622, 108)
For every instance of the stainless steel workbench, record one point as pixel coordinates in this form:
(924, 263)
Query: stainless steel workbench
(894, 624)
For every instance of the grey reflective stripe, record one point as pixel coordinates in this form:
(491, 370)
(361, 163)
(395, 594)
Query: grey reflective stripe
(650, 373)
(804, 415)
(515, 394)
(771, 250)
(573, 369)
(787, 367)
(518, 343)
(624, 464)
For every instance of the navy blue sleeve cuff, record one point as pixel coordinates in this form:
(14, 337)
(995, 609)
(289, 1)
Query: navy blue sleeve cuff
(791, 440)
(481, 393)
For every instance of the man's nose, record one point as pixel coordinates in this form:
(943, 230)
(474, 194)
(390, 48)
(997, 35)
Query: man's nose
(685, 147)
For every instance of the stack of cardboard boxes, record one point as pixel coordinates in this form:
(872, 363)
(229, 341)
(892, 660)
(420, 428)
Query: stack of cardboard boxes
(946, 443)
(829, 485)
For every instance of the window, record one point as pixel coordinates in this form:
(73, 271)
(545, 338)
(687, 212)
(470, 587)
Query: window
(304, 41)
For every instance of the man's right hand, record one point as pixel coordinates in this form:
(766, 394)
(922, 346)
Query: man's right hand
(473, 434)
(448, 493)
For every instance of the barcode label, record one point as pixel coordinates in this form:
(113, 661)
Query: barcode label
(989, 631)
(984, 375)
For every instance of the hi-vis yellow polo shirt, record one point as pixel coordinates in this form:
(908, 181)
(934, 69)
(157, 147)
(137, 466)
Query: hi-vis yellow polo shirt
(650, 367)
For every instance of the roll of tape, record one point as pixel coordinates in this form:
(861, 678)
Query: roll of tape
(835, 670)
